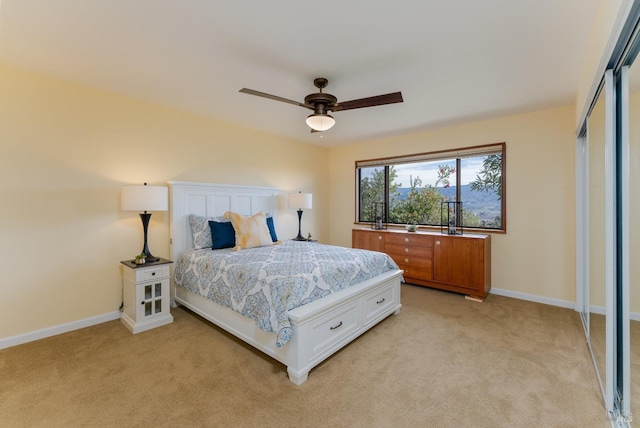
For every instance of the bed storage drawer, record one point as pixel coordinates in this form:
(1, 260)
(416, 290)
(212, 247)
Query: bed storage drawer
(377, 303)
(331, 329)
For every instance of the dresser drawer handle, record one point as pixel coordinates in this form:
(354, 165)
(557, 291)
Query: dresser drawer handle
(336, 327)
(380, 301)
(406, 250)
(437, 242)
(379, 237)
(406, 260)
(406, 239)
(153, 274)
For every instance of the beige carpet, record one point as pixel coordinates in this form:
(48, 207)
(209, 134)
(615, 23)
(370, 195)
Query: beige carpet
(443, 362)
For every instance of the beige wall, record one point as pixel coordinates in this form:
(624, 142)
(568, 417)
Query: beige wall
(67, 149)
(537, 254)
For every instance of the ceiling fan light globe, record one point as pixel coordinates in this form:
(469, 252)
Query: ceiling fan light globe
(320, 122)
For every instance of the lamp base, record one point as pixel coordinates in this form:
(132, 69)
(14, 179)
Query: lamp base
(145, 217)
(299, 237)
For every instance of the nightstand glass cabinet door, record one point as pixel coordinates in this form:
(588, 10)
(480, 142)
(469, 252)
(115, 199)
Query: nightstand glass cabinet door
(151, 301)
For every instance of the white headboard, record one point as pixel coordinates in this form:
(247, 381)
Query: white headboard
(211, 200)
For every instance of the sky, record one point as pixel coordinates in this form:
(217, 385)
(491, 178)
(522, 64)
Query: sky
(428, 171)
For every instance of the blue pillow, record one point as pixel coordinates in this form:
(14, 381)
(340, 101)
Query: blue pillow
(222, 234)
(272, 229)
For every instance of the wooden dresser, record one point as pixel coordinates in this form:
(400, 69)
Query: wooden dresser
(459, 263)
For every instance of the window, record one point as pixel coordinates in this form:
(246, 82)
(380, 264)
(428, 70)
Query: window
(414, 186)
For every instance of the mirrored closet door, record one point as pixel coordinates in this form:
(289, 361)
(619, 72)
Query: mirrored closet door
(595, 223)
(630, 165)
(607, 235)
(594, 211)
(634, 241)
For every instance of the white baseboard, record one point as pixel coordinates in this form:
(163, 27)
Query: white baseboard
(600, 310)
(534, 298)
(88, 322)
(58, 329)
(633, 316)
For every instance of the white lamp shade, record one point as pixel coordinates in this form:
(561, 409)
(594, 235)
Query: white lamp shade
(303, 201)
(320, 122)
(145, 198)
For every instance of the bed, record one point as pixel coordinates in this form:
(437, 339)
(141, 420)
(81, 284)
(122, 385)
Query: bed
(311, 332)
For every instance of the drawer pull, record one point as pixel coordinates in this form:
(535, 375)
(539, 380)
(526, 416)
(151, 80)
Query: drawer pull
(336, 327)
(153, 273)
(406, 250)
(437, 242)
(406, 260)
(406, 239)
(379, 237)
(380, 301)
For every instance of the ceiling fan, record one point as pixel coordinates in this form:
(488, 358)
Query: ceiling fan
(322, 103)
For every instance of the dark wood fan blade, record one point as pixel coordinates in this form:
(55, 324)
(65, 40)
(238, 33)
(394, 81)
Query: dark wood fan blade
(378, 100)
(274, 97)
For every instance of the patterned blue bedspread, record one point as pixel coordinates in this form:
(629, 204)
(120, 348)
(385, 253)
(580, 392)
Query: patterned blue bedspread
(265, 283)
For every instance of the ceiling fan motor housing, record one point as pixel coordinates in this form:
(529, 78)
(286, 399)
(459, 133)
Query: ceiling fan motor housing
(321, 102)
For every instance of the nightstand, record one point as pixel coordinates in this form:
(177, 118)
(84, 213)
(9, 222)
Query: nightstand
(145, 295)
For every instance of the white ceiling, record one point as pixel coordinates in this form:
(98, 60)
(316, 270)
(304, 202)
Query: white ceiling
(454, 61)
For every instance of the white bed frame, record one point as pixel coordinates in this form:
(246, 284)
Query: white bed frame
(319, 328)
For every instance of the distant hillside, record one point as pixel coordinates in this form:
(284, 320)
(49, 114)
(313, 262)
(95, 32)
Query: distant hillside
(485, 205)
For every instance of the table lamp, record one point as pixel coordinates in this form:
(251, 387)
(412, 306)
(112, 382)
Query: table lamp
(145, 198)
(301, 201)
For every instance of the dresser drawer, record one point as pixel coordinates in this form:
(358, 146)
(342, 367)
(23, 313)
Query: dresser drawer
(395, 250)
(424, 262)
(147, 273)
(409, 239)
(416, 272)
(331, 330)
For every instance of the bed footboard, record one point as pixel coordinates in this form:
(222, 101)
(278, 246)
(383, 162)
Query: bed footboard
(319, 329)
